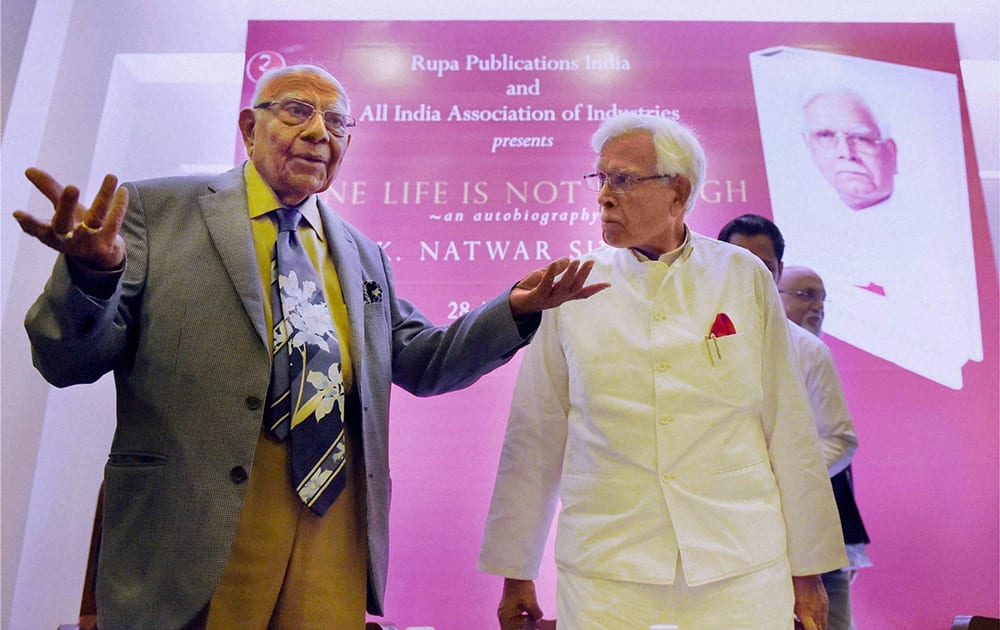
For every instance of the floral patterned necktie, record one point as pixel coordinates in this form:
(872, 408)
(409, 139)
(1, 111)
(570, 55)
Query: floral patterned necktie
(306, 397)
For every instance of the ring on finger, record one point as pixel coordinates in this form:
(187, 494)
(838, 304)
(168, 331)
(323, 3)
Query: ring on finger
(63, 236)
(89, 229)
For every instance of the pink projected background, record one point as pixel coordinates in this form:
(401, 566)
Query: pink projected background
(466, 166)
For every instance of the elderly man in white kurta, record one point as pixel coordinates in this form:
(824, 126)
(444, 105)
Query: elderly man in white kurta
(667, 417)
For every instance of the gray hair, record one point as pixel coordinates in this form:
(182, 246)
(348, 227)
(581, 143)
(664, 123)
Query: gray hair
(303, 68)
(678, 150)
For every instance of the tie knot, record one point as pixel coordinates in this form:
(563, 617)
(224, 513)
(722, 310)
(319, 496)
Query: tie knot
(288, 219)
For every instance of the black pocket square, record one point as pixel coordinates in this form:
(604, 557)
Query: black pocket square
(373, 292)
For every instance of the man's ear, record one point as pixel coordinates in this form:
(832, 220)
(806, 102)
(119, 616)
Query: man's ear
(682, 186)
(248, 122)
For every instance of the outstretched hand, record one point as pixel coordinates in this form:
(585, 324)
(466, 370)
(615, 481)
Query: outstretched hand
(90, 235)
(545, 288)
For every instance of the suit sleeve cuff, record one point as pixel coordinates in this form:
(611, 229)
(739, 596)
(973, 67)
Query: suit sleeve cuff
(96, 283)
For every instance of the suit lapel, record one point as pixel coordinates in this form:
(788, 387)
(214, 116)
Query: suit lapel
(226, 214)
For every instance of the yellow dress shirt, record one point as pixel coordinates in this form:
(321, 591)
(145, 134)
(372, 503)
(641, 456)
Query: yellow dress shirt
(262, 200)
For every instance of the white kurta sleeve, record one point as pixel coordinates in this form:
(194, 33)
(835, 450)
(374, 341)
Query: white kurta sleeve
(526, 493)
(837, 437)
(815, 540)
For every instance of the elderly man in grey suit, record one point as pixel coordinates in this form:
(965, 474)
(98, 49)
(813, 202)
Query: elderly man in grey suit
(168, 283)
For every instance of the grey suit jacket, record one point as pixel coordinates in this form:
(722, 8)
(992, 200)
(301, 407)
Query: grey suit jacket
(184, 333)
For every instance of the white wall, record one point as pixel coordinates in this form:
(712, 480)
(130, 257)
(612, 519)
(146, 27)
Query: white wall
(101, 83)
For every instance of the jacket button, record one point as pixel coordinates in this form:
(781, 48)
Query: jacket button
(238, 474)
(253, 403)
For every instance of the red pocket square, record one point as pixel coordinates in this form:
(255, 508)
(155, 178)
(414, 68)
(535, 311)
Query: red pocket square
(722, 326)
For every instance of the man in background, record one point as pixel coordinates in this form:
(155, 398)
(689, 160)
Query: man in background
(833, 421)
(669, 419)
(803, 295)
(254, 336)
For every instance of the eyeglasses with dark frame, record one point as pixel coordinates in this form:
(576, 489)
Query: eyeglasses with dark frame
(806, 295)
(292, 112)
(618, 182)
(860, 141)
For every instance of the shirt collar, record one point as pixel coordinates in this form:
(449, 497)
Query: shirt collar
(668, 258)
(262, 200)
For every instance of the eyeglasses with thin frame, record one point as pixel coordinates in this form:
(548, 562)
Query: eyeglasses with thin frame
(806, 295)
(618, 182)
(862, 142)
(292, 112)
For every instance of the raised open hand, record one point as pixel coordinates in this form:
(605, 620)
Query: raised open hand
(90, 235)
(545, 288)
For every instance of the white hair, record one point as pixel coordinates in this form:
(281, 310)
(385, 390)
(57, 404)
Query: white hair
(678, 150)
